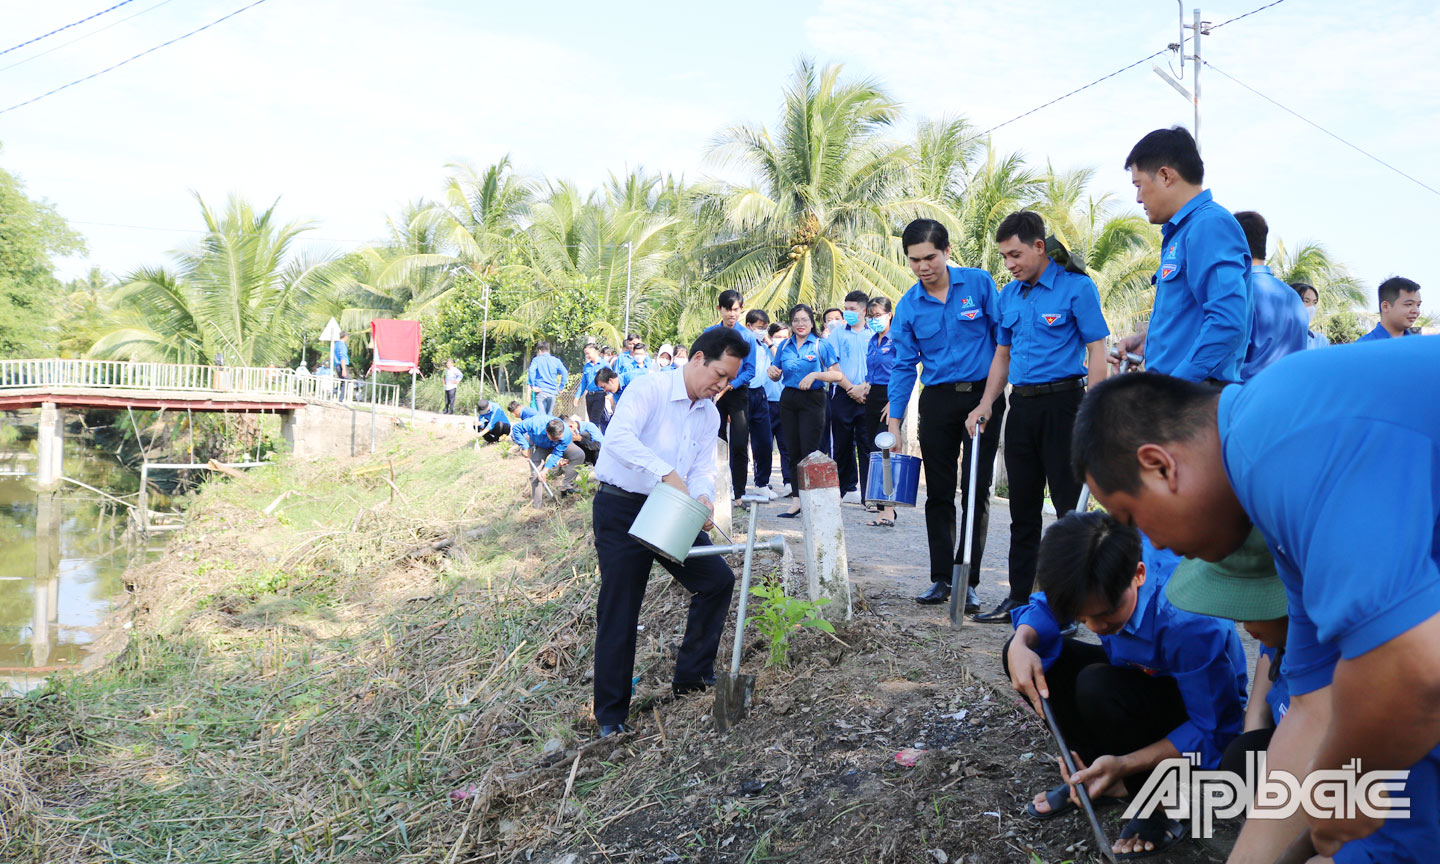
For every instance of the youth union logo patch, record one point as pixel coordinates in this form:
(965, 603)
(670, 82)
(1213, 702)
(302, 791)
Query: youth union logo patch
(971, 314)
(1051, 320)
(966, 303)
(1166, 271)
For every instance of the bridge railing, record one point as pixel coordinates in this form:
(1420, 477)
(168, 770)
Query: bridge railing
(77, 374)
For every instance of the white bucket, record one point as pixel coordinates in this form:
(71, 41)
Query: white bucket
(669, 522)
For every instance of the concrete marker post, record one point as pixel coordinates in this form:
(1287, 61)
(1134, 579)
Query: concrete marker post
(50, 443)
(724, 493)
(827, 566)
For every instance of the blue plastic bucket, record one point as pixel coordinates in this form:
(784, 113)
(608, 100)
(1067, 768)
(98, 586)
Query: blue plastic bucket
(905, 476)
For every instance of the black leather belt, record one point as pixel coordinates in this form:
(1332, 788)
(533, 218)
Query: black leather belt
(1060, 386)
(960, 386)
(623, 493)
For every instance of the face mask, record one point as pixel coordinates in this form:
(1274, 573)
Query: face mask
(879, 324)
(851, 318)
(1310, 313)
(831, 325)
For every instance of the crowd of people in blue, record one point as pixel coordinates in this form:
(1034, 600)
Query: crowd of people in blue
(1243, 478)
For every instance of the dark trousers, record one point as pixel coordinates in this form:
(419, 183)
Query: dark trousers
(875, 403)
(942, 438)
(1254, 741)
(1037, 452)
(778, 433)
(496, 432)
(590, 448)
(595, 409)
(1106, 710)
(762, 438)
(538, 457)
(802, 420)
(847, 440)
(449, 401)
(624, 571)
(735, 430)
(827, 437)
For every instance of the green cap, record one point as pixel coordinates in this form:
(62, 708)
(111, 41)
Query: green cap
(1243, 587)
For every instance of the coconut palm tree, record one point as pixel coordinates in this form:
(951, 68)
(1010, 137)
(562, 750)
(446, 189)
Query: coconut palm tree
(241, 292)
(817, 220)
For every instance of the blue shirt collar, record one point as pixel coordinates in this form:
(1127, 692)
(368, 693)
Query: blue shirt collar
(1047, 276)
(1145, 597)
(1190, 207)
(1261, 268)
(955, 280)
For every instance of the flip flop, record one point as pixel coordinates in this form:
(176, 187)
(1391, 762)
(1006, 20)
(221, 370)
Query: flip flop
(1058, 798)
(880, 523)
(795, 515)
(1158, 828)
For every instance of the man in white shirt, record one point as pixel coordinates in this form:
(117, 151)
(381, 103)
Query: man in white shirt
(663, 431)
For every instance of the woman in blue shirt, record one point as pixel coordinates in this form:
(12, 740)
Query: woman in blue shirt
(804, 363)
(1311, 298)
(879, 360)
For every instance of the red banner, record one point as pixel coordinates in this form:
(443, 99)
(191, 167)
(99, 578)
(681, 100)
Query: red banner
(396, 343)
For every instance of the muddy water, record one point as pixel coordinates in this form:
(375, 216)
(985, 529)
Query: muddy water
(62, 553)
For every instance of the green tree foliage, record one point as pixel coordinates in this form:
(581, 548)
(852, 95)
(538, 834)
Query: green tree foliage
(31, 234)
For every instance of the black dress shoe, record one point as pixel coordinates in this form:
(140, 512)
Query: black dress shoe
(1000, 614)
(972, 601)
(607, 729)
(939, 593)
(685, 688)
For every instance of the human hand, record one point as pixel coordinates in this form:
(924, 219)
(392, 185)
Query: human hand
(709, 507)
(562, 463)
(525, 451)
(857, 392)
(1027, 674)
(673, 479)
(893, 427)
(1132, 344)
(979, 417)
(774, 373)
(1107, 772)
(807, 381)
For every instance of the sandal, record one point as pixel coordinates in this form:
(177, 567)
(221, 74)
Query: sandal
(1158, 829)
(880, 523)
(1058, 798)
(788, 515)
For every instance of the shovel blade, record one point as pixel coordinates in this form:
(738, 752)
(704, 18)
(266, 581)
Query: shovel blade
(732, 699)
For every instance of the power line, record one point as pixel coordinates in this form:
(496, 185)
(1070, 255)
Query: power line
(1126, 68)
(131, 59)
(1354, 147)
(66, 27)
(82, 38)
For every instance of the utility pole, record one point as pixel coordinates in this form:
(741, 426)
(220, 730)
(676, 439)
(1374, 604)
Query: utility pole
(629, 258)
(1192, 95)
(484, 337)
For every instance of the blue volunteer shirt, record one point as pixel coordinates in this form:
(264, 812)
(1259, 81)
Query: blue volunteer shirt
(1048, 326)
(880, 359)
(1203, 655)
(850, 348)
(1378, 333)
(531, 433)
(747, 366)
(491, 417)
(526, 412)
(797, 361)
(954, 339)
(340, 353)
(761, 353)
(547, 373)
(1278, 322)
(588, 428)
(1343, 479)
(587, 377)
(1200, 324)
(1278, 696)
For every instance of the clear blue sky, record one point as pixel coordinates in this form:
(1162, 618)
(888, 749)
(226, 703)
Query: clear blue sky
(345, 110)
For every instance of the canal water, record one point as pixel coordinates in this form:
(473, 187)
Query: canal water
(62, 553)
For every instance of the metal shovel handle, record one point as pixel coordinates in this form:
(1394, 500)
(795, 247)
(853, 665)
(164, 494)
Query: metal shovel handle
(744, 592)
(1101, 841)
(541, 477)
(957, 608)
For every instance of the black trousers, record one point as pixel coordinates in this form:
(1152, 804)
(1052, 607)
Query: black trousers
(875, 403)
(449, 401)
(777, 431)
(1256, 741)
(802, 420)
(762, 437)
(496, 432)
(624, 572)
(595, 409)
(1037, 452)
(847, 440)
(1106, 710)
(735, 430)
(942, 438)
(590, 448)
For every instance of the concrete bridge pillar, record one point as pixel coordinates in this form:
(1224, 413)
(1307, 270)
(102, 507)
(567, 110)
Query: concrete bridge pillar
(50, 452)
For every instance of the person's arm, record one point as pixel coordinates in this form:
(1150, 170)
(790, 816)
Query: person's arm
(1257, 710)
(557, 450)
(1208, 665)
(1219, 280)
(532, 376)
(994, 385)
(517, 434)
(564, 374)
(1090, 322)
(1132, 344)
(1095, 368)
(1291, 749)
(701, 477)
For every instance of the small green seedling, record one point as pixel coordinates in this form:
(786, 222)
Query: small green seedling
(780, 616)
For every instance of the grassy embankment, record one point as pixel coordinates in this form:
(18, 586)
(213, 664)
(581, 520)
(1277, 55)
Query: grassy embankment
(310, 684)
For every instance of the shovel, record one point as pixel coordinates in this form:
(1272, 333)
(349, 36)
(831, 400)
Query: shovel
(1130, 361)
(541, 477)
(1103, 844)
(960, 575)
(733, 690)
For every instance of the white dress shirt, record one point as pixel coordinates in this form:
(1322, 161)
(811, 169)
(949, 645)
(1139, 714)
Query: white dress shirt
(657, 429)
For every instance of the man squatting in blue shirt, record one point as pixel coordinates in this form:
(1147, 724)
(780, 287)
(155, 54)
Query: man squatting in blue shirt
(1343, 482)
(548, 440)
(1162, 681)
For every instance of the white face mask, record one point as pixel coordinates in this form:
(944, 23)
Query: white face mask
(1310, 313)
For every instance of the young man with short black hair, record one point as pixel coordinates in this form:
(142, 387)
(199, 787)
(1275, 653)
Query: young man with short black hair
(662, 432)
(1343, 481)
(1278, 323)
(848, 446)
(1051, 336)
(757, 416)
(590, 391)
(1199, 328)
(546, 441)
(1399, 308)
(734, 401)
